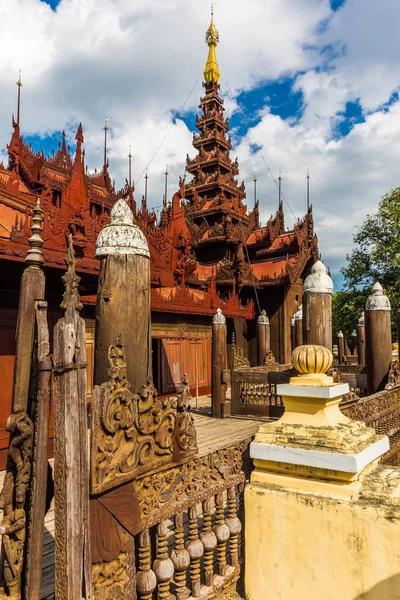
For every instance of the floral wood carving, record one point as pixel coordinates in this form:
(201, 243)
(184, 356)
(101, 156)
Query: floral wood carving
(110, 578)
(13, 500)
(134, 433)
(160, 495)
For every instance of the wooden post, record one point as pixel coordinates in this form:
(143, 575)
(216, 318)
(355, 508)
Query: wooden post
(340, 338)
(354, 343)
(32, 289)
(378, 339)
(317, 307)
(298, 328)
(40, 462)
(293, 333)
(361, 340)
(218, 388)
(22, 497)
(263, 337)
(123, 297)
(71, 473)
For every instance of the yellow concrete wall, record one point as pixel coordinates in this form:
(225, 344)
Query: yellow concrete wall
(307, 539)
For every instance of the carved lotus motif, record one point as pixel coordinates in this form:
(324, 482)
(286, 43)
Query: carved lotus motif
(310, 360)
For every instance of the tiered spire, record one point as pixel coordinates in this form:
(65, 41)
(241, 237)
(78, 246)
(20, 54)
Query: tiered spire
(211, 71)
(214, 189)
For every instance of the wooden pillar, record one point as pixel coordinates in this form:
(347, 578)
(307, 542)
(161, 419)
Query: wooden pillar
(298, 328)
(123, 297)
(263, 337)
(32, 289)
(73, 578)
(398, 332)
(361, 340)
(378, 339)
(340, 338)
(317, 307)
(354, 342)
(218, 387)
(293, 333)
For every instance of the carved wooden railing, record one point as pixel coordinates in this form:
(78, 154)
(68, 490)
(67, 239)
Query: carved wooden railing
(254, 391)
(181, 511)
(381, 411)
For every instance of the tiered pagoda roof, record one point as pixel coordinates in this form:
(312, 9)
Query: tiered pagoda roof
(207, 250)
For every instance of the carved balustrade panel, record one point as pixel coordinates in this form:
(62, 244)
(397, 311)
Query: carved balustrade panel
(135, 433)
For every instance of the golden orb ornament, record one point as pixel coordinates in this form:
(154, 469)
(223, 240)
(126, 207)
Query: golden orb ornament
(312, 360)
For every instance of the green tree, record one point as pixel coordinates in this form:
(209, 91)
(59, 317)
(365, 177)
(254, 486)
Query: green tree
(376, 257)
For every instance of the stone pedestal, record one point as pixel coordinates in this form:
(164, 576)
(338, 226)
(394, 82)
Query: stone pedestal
(317, 505)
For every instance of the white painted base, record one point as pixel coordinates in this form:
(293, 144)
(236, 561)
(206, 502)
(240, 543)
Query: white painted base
(347, 463)
(311, 391)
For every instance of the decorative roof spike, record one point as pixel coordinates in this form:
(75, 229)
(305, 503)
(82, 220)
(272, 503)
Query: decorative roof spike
(105, 142)
(263, 319)
(378, 300)
(219, 318)
(34, 256)
(308, 189)
(19, 84)
(71, 300)
(211, 71)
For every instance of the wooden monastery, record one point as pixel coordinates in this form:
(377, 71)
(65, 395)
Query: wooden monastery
(208, 250)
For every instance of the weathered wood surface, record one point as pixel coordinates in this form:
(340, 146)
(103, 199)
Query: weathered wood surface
(361, 344)
(123, 306)
(263, 341)
(40, 463)
(317, 319)
(32, 289)
(298, 332)
(71, 476)
(378, 355)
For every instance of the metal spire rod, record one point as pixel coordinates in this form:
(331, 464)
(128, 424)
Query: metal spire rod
(255, 188)
(19, 84)
(130, 168)
(105, 141)
(308, 189)
(280, 189)
(166, 186)
(146, 177)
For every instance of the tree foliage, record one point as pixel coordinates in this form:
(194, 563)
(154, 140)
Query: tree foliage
(376, 257)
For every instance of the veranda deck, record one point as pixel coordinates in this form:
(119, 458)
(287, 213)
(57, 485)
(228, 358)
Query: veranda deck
(212, 434)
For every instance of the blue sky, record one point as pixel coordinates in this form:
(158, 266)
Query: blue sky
(307, 84)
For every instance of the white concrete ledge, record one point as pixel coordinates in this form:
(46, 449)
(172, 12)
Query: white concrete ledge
(311, 391)
(348, 463)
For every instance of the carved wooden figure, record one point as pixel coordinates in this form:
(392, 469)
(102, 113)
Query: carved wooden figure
(218, 387)
(317, 307)
(263, 337)
(71, 474)
(123, 297)
(378, 337)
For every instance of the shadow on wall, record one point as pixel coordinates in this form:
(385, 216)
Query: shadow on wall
(388, 589)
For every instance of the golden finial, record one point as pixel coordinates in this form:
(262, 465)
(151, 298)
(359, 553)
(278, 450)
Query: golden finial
(19, 82)
(211, 71)
(105, 124)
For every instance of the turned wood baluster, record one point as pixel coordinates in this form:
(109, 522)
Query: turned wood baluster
(163, 565)
(146, 580)
(222, 532)
(196, 550)
(235, 527)
(181, 559)
(209, 540)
